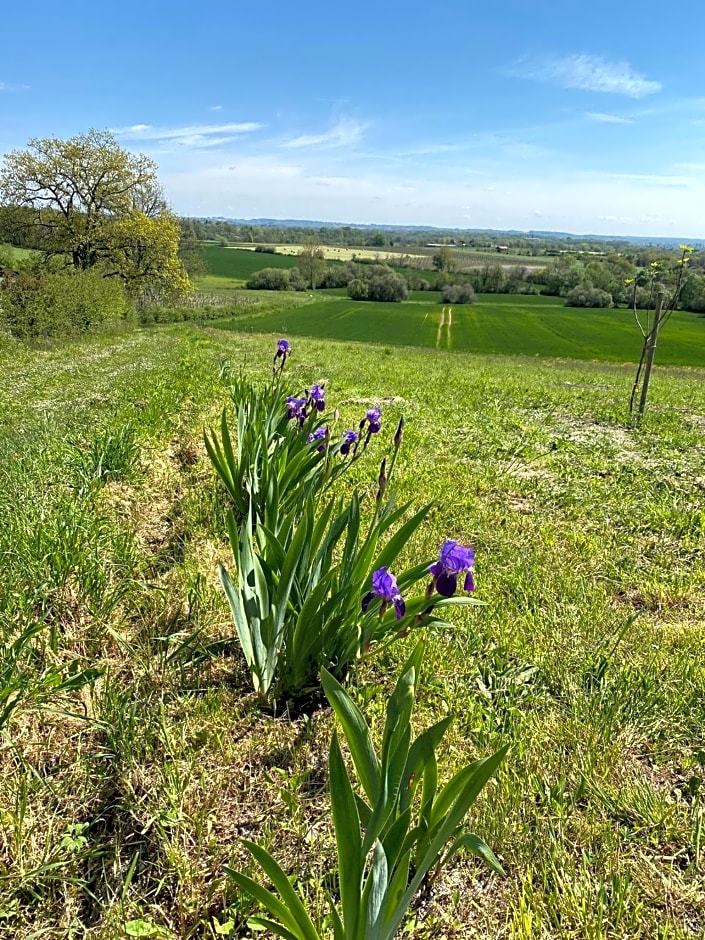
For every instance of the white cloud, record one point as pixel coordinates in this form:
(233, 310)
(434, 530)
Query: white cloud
(588, 73)
(602, 118)
(263, 184)
(216, 107)
(196, 135)
(9, 86)
(343, 134)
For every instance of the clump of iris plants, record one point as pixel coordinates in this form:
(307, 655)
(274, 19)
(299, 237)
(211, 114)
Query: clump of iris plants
(318, 583)
(318, 586)
(283, 449)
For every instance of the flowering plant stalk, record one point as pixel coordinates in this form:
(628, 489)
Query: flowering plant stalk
(319, 592)
(282, 450)
(394, 836)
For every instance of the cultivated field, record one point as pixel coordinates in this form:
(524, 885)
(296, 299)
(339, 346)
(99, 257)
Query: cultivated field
(230, 267)
(335, 253)
(501, 324)
(120, 804)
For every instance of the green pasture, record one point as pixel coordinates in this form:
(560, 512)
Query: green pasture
(121, 804)
(496, 324)
(240, 264)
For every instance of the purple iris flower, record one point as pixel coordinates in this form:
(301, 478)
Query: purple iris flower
(373, 420)
(453, 560)
(374, 417)
(349, 438)
(385, 585)
(317, 397)
(283, 350)
(320, 434)
(296, 409)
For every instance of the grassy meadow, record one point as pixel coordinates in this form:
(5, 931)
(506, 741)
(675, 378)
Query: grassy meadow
(15, 253)
(121, 803)
(496, 324)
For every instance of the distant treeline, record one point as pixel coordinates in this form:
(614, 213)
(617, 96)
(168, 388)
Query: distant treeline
(354, 237)
(400, 237)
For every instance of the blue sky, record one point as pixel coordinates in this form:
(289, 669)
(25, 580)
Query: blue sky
(529, 115)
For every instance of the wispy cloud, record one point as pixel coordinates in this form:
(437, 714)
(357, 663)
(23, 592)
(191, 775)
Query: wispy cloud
(192, 135)
(343, 134)
(216, 107)
(588, 73)
(608, 118)
(10, 86)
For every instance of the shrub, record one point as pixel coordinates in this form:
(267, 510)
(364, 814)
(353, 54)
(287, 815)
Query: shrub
(64, 304)
(296, 279)
(584, 295)
(458, 294)
(358, 289)
(379, 282)
(269, 279)
(339, 275)
(388, 287)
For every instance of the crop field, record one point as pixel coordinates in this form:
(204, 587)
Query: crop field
(497, 324)
(240, 264)
(125, 791)
(336, 253)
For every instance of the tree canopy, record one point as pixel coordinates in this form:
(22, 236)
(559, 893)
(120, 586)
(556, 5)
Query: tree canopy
(95, 204)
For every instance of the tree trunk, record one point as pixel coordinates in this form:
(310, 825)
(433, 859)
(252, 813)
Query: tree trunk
(650, 341)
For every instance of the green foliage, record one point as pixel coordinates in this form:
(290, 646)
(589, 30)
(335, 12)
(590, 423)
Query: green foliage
(66, 304)
(270, 467)
(96, 205)
(304, 563)
(586, 530)
(27, 678)
(394, 836)
(358, 289)
(444, 260)
(584, 295)
(269, 279)
(297, 602)
(379, 283)
(311, 262)
(458, 294)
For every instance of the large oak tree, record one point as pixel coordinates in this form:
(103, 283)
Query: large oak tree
(97, 205)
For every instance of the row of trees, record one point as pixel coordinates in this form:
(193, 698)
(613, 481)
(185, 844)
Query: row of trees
(615, 280)
(269, 231)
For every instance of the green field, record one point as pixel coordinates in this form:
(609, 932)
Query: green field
(497, 324)
(121, 804)
(240, 264)
(231, 267)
